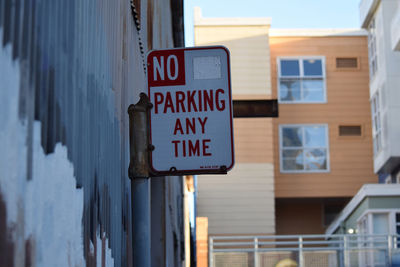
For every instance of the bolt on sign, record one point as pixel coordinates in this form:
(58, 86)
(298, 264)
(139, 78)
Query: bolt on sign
(191, 126)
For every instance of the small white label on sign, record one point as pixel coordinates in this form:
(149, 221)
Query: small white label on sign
(207, 68)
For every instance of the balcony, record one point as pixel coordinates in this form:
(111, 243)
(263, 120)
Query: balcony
(367, 8)
(395, 31)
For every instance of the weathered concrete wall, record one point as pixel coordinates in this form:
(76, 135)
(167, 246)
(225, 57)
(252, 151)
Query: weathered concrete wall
(69, 70)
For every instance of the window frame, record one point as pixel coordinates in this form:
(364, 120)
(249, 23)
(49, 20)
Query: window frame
(391, 213)
(324, 125)
(372, 50)
(301, 76)
(376, 110)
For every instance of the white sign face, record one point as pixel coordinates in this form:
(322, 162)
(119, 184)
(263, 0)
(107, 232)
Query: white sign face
(191, 119)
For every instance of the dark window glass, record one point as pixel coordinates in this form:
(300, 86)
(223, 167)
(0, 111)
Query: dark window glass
(312, 67)
(290, 68)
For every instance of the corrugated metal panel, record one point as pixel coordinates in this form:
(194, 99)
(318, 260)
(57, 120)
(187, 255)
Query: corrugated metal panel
(82, 64)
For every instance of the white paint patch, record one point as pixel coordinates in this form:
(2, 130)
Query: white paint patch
(109, 261)
(48, 209)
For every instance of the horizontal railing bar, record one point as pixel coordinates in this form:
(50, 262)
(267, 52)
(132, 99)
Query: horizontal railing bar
(252, 250)
(283, 243)
(232, 250)
(233, 244)
(293, 249)
(301, 236)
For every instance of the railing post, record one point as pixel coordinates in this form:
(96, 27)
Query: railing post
(345, 251)
(210, 251)
(301, 256)
(389, 249)
(256, 264)
(341, 251)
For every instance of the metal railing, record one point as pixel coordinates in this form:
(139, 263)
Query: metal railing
(305, 250)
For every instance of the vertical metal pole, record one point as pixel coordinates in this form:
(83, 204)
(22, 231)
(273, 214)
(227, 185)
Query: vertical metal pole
(389, 249)
(210, 252)
(140, 183)
(345, 250)
(256, 252)
(141, 222)
(301, 256)
(341, 251)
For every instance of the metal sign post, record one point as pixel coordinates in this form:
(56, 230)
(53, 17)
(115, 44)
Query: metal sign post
(140, 182)
(184, 126)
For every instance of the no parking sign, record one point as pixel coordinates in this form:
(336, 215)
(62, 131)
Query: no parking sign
(191, 126)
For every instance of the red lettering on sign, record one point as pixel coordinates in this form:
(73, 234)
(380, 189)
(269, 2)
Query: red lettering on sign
(180, 97)
(203, 123)
(190, 101)
(191, 125)
(220, 104)
(179, 102)
(194, 150)
(191, 148)
(176, 142)
(178, 126)
(200, 101)
(169, 103)
(205, 147)
(208, 100)
(166, 68)
(158, 99)
(184, 148)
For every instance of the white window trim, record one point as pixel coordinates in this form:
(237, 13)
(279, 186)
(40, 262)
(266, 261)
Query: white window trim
(376, 113)
(327, 148)
(372, 53)
(323, 62)
(391, 214)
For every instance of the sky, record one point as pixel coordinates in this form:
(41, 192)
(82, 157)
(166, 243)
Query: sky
(284, 13)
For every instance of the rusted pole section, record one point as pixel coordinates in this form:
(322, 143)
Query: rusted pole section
(140, 182)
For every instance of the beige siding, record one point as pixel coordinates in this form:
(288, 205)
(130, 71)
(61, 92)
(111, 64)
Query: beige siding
(241, 202)
(250, 59)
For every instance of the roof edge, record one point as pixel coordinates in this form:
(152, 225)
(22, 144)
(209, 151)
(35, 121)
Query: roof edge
(367, 190)
(317, 32)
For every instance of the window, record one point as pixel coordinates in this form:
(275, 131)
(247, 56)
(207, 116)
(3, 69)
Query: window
(372, 50)
(304, 148)
(376, 124)
(398, 228)
(301, 80)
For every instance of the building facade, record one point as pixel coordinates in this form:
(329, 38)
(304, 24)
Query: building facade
(322, 138)
(69, 71)
(241, 202)
(382, 19)
(294, 173)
